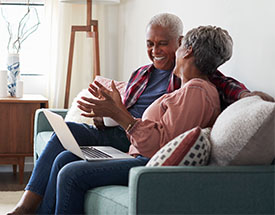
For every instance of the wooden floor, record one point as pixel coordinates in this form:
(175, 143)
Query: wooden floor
(10, 182)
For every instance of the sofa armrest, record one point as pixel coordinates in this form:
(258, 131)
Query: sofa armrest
(202, 190)
(41, 124)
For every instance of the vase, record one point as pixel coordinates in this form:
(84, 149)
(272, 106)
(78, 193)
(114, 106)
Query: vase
(13, 67)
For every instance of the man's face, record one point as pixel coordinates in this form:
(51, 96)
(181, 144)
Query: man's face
(161, 47)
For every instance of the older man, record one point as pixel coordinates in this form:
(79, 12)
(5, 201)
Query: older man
(163, 37)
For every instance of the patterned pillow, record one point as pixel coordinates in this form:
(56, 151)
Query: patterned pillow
(192, 148)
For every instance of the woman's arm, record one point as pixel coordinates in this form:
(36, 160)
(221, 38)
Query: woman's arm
(182, 110)
(186, 109)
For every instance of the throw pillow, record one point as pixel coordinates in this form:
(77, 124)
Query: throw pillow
(243, 134)
(74, 113)
(192, 148)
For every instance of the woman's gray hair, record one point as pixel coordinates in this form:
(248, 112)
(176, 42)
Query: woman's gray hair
(211, 45)
(167, 20)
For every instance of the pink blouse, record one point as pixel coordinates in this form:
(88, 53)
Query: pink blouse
(195, 104)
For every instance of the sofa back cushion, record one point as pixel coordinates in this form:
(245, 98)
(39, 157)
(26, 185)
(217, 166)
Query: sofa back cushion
(243, 134)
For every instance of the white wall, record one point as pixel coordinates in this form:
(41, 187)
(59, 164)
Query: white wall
(123, 48)
(251, 23)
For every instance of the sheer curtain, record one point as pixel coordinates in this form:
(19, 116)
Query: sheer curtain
(59, 18)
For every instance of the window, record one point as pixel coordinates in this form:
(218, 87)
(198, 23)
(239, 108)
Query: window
(32, 49)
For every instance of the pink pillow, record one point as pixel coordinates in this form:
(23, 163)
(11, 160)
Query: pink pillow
(192, 148)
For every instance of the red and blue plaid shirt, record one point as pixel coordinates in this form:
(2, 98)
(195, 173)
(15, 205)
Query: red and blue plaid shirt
(229, 89)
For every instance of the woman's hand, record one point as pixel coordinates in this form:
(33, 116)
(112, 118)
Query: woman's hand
(108, 103)
(100, 90)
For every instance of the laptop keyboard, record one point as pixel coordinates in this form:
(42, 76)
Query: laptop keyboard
(94, 153)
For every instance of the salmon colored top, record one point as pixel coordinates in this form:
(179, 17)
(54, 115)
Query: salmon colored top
(195, 104)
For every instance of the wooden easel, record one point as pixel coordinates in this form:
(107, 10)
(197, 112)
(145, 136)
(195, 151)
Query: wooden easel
(92, 31)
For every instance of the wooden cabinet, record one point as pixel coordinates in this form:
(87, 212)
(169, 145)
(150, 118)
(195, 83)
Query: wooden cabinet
(16, 129)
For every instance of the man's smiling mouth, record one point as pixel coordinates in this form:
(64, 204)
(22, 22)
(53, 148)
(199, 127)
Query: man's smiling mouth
(158, 58)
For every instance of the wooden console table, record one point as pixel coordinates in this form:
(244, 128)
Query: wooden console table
(16, 129)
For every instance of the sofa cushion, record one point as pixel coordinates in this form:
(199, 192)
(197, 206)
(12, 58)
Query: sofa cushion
(190, 148)
(243, 134)
(107, 200)
(41, 140)
(74, 113)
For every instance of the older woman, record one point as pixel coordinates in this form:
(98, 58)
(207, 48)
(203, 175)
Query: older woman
(56, 177)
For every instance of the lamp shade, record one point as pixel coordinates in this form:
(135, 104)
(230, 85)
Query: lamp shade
(93, 1)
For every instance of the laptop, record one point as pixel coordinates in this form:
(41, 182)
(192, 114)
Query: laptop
(89, 153)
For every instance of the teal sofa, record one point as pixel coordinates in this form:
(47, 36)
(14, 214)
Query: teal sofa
(177, 190)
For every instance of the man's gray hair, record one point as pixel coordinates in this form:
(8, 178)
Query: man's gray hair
(167, 20)
(211, 45)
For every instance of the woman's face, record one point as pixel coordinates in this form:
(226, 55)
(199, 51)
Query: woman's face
(161, 47)
(180, 62)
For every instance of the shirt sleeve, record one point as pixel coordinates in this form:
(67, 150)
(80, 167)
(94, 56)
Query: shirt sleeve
(229, 89)
(186, 109)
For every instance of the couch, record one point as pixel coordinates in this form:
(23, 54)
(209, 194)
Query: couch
(178, 189)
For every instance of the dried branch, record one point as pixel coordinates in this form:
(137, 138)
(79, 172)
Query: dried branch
(22, 31)
(31, 30)
(8, 28)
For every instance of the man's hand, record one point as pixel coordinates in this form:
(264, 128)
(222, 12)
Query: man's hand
(263, 95)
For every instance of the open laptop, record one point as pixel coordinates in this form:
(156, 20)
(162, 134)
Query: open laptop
(89, 153)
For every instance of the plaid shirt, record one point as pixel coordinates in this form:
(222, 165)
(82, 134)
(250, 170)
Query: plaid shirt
(138, 82)
(229, 89)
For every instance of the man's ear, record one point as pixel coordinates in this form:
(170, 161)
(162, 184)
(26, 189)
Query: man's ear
(180, 40)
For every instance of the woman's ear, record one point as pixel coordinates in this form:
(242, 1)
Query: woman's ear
(188, 52)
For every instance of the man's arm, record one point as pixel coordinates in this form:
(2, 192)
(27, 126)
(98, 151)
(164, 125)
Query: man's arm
(263, 95)
(230, 90)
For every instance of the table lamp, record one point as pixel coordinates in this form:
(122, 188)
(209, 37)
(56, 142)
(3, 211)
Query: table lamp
(91, 28)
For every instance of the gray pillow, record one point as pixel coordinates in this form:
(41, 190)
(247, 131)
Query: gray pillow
(243, 134)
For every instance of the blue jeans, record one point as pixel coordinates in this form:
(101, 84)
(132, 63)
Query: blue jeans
(63, 179)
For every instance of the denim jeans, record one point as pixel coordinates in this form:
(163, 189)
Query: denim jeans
(63, 179)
